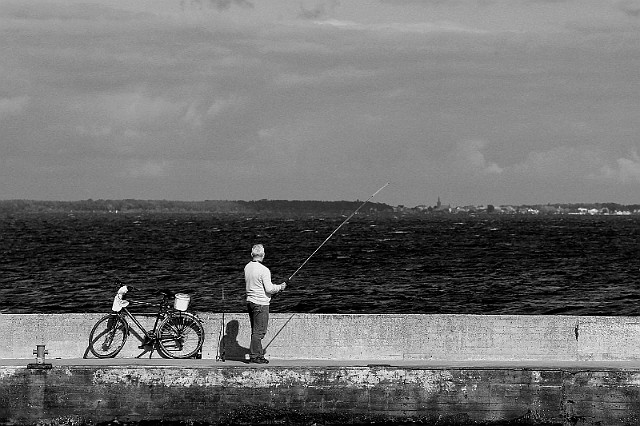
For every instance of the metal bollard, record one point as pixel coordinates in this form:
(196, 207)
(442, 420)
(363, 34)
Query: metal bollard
(40, 352)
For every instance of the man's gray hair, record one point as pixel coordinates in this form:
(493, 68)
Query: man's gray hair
(257, 251)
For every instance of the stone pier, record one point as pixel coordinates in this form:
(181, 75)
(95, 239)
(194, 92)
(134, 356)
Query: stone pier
(462, 368)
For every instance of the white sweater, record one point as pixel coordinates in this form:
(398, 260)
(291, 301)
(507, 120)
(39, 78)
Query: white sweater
(258, 283)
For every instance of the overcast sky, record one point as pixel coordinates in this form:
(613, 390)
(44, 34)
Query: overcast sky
(474, 101)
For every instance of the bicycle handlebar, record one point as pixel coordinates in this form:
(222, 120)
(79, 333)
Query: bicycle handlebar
(167, 294)
(130, 288)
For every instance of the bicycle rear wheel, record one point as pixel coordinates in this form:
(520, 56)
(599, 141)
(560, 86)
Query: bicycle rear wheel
(108, 336)
(181, 335)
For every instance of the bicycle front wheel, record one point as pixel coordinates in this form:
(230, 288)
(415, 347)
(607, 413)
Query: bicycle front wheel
(108, 336)
(181, 335)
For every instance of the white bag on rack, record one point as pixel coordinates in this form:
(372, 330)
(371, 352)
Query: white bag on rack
(118, 301)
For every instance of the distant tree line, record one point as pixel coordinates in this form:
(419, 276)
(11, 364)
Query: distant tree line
(260, 207)
(313, 207)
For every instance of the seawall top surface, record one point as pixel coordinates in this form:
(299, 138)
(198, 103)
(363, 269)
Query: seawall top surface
(336, 363)
(413, 340)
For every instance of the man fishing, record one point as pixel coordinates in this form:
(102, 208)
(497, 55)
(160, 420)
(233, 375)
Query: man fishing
(259, 288)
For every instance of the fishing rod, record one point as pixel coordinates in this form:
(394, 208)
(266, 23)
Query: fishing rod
(220, 350)
(336, 230)
(327, 239)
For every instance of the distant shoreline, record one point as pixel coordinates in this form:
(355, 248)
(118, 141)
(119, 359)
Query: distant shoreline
(296, 208)
(260, 207)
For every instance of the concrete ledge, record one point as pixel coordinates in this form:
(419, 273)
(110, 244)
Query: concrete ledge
(377, 337)
(217, 393)
(551, 369)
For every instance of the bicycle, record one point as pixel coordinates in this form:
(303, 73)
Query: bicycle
(176, 333)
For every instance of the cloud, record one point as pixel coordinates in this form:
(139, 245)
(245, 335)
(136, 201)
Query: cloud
(578, 163)
(193, 116)
(630, 8)
(217, 4)
(319, 11)
(627, 169)
(549, 1)
(12, 106)
(93, 130)
(560, 162)
(139, 110)
(469, 158)
(418, 2)
(66, 12)
(146, 168)
(397, 27)
(335, 77)
(198, 113)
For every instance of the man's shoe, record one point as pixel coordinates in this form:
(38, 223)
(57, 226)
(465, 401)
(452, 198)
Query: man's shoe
(259, 360)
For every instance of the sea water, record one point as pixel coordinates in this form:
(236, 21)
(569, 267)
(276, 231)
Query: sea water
(568, 265)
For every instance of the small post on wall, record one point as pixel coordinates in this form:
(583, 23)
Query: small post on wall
(40, 353)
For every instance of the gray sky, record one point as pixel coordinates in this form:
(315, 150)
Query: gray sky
(475, 101)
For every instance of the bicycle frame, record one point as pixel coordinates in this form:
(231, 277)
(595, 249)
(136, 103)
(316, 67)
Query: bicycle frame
(163, 310)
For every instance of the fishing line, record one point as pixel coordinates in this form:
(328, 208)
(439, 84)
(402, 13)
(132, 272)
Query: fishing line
(316, 250)
(336, 230)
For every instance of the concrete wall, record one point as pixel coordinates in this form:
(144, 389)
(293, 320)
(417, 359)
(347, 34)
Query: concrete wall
(367, 337)
(249, 395)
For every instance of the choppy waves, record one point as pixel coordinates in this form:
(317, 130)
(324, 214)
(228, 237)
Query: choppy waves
(500, 265)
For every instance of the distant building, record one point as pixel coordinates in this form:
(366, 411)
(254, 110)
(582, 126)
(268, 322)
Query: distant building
(439, 208)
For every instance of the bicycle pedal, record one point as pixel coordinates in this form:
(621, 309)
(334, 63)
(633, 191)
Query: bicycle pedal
(146, 344)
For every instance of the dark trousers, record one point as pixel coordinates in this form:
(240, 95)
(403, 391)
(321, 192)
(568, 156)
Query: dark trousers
(259, 318)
